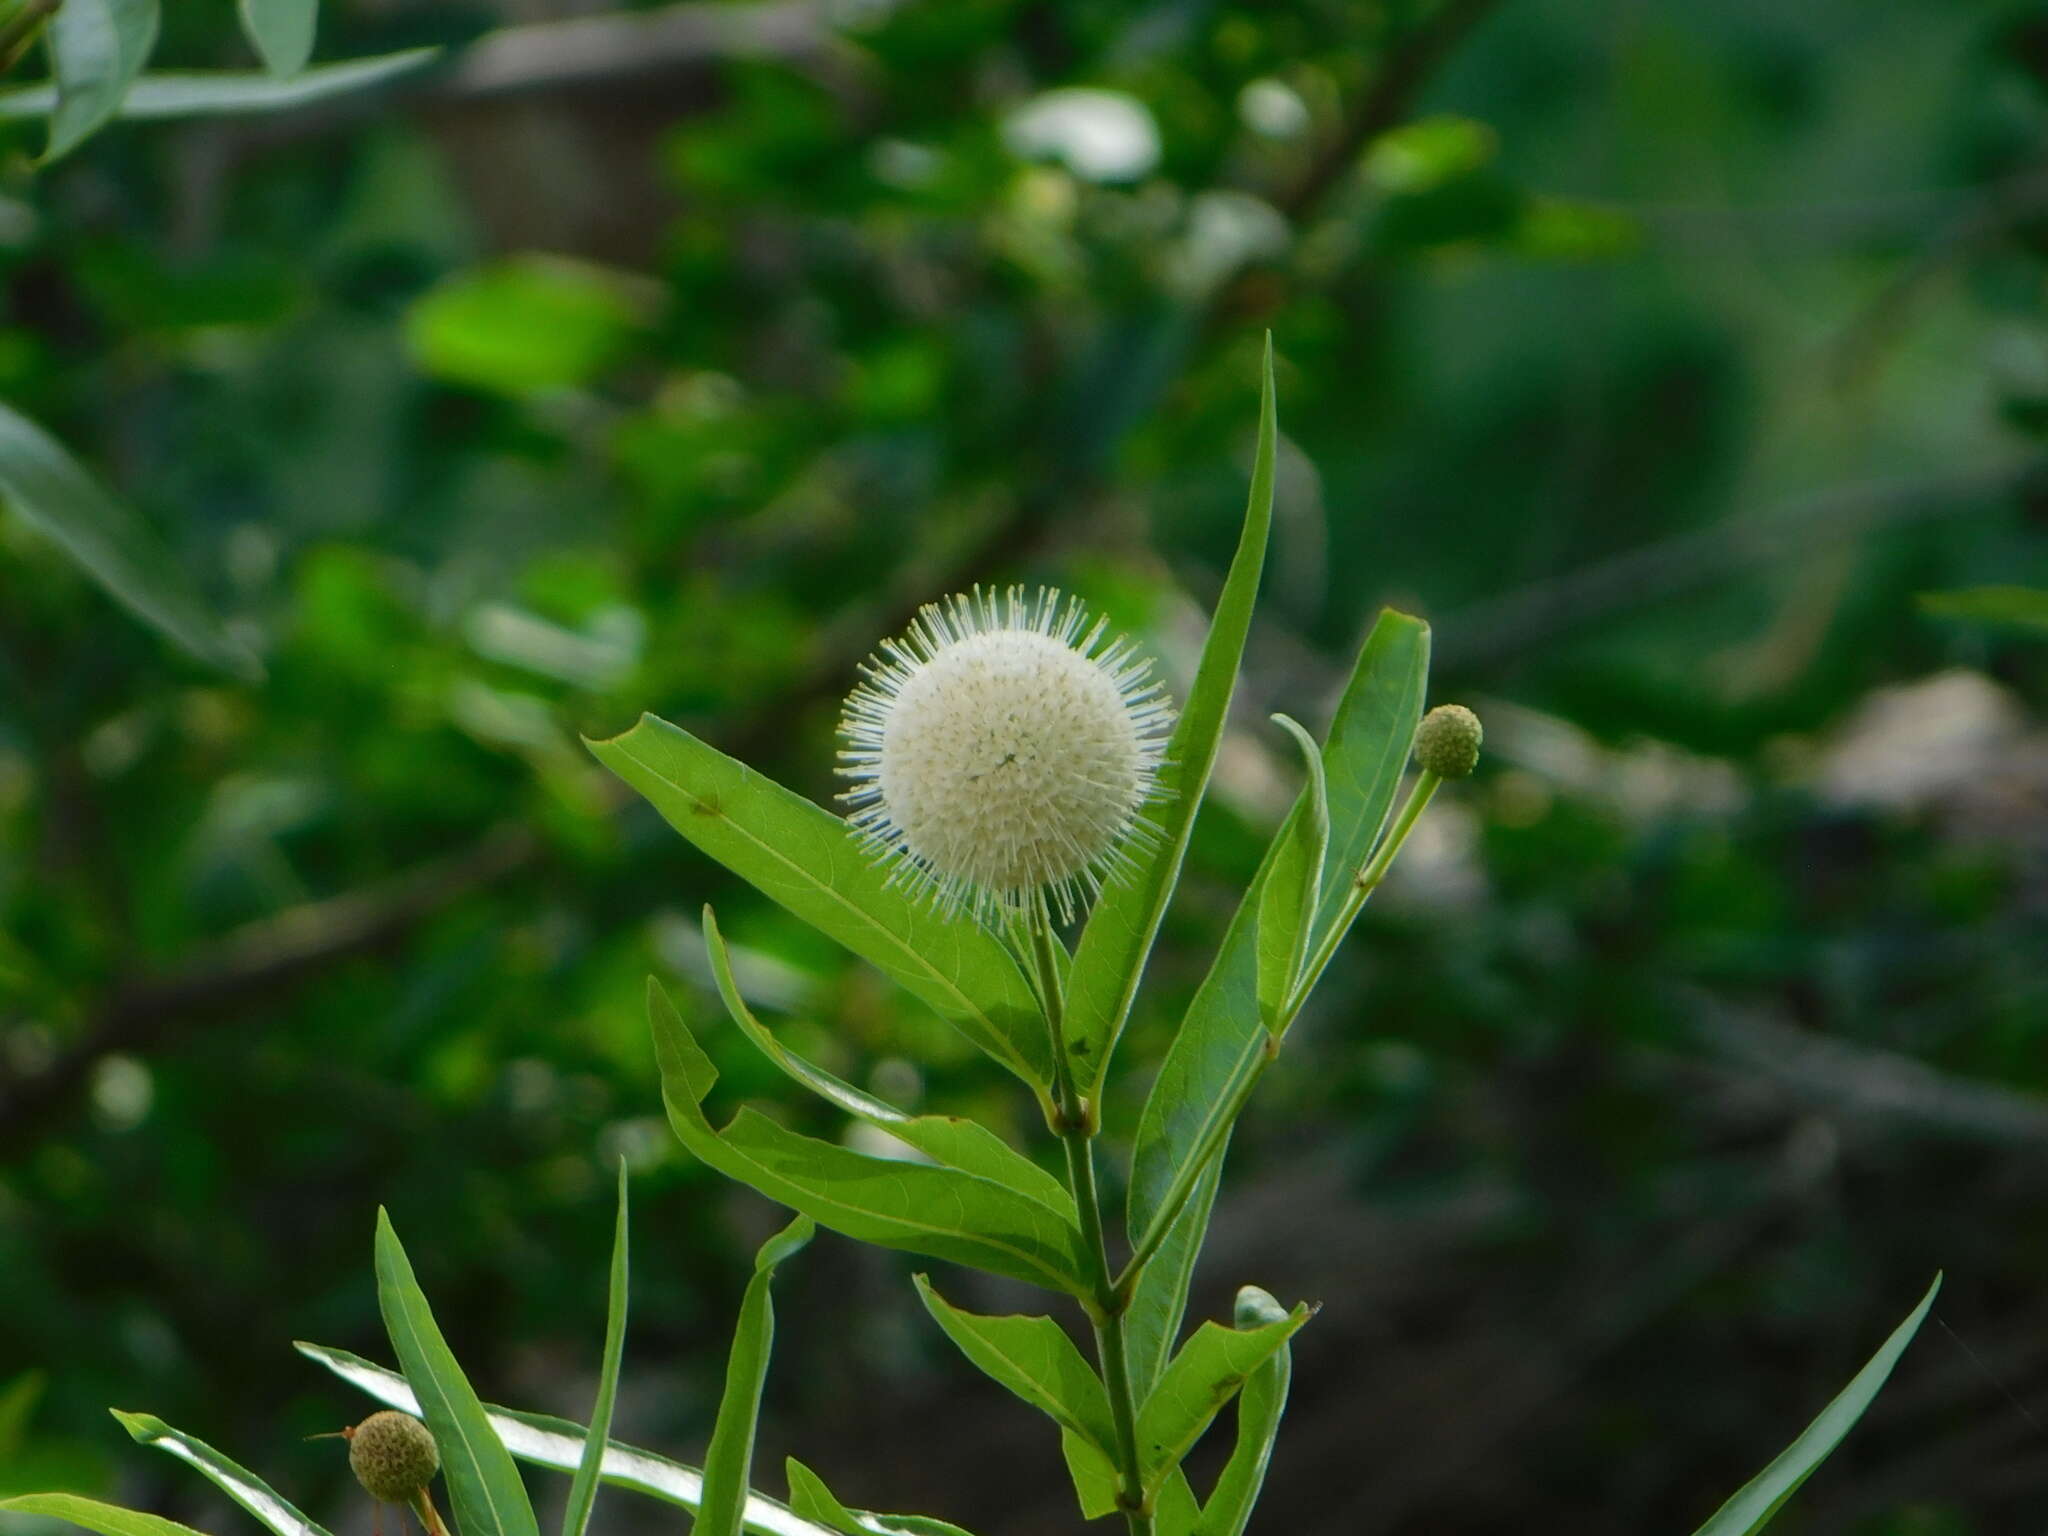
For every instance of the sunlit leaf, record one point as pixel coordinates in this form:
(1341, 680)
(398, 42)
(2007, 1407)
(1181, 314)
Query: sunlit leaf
(521, 325)
(1288, 903)
(241, 1485)
(730, 1461)
(213, 93)
(583, 1491)
(949, 1139)
(1110, 960)
(1754, 1504)
(281, 32)
(97, 48)
(810, 861)
(110, 543)
(558, 1444)
(1205, 1375)
(483, 1483)
(912, 1206)
(1259, 1407)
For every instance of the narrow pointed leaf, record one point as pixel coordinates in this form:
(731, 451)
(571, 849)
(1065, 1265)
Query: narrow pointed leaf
(239, 1484)
(558, 1444)
(1159, 1300)
(1287, 905)
(952, 1140)
(1754, 1504)
(1034, 1358)
(1222, 1043)
(281, 31)
(729, 1463)
(1114, 946)
(107, 1519)
(937, 1211)
(1093, 1474)
(217, 93)
(810, 862)
(809, 1497)
(583, 1491)
(107, 540)
(97, 48)
(1175, 1511)
(1370, 737)
(1259, 1407)
(483, 1483)
(1204, 1376)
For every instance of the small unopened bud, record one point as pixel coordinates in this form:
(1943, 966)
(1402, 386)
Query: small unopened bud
(393, 1456)
(1447, 741)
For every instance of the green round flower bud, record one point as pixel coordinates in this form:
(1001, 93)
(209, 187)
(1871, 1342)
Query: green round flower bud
(1447, 741)
(393, 1456)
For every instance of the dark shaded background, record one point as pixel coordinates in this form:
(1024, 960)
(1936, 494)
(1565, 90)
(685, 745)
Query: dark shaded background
(1659, 353)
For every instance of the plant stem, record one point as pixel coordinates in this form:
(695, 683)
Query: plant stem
(430, 1517)
(1076, 1124)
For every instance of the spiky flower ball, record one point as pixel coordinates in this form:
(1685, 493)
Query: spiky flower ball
(393, 1456)
(1002, 749)
(1447, 741)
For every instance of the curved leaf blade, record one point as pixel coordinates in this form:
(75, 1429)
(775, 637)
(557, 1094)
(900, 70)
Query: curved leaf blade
(97, 48)
(1159, 1299)
(583, 1490)
(1035, 1359)
(483, 1483)
(952, 1140)
(110, 543)
(239, 1484)
(106, 1519)
(1110, 960)
(920, 1208)
(219, 93)
(730, 1460)
(558, 1444)
(1754, 1504)
(1288, 903)
(1259, 1407)
(281, 31)
(1204, 1376)
(810, 862)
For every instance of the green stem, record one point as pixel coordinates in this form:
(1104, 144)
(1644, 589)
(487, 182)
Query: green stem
(1366, 882)
(1076, 1126)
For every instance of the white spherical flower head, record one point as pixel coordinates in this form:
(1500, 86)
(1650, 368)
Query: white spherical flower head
(1002, 750)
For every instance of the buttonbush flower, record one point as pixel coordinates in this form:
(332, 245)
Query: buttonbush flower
(1002, 750)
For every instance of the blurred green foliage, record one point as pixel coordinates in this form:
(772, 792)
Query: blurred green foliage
(1660, 354)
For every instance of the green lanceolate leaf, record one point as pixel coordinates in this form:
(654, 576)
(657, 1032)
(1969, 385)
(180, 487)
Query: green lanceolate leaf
(112, 545)
(1204, 1376)
(1174, 1511)
(216, 93)
(97, 48)
(107, 1519)
(1765, 1494)
(1222, 1045)
(730, 1461)
(1093, 1473)
(244, 1487)
(810, 862)
(1034, 1358)
(1288, 903)
(1370, 737)
(1111, 958)
(948, 1139)
(1259, 1407)
(2024, 608)
(281, 31)
(942, 1212)
(483, 1483)
(1159, 1299)
(810, 1498)
(583, 1491)
(558, 1444)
